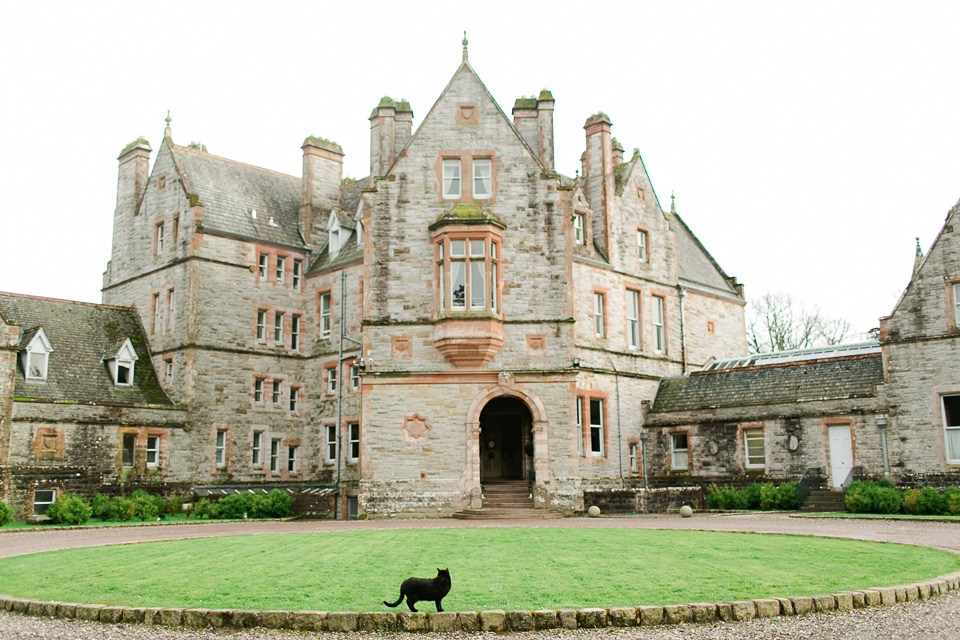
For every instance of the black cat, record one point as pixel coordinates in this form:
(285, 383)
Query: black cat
(417, 589)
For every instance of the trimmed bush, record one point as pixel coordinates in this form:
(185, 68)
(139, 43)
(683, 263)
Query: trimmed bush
(761, 495)
(752, 496)
(69, 509)
(887, 500)
(6, 514)
(930, 502)
(102, 509)
(205, 508)
(276, 504)
(123, 508)
(910, 501)
(787, 496)
(859, 497)
(953, 501)
(173, 506)
(768, 496)
(236, 505)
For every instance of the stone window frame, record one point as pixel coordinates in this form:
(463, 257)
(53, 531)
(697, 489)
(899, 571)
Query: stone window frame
(276, 392)
(128, 454)
(464, 159)
(330, 379)
(280, 268)
(220, 449)
(159, 225)
(171, 309)
(946, 426)
(687, 432)
(274, 455)
(451, 174)
(293, 458)
(157, 324)
(353, 443)
(257, 448)
(175, 229)
(578, 410)
(331, 448)
(168, 362)
(294, 399)
(744, 431)
(278, 320)
(52, 498)
(477, 162)
(952, 300)
(663, 334)
(260, 328)
(444, 263)
(634, 456)
(633, 332)
(296, 331)
(643, 244)
(155, 450)
(579, 230)
(599, 313)
(263, 265)
(296, 275)
(324, 316)
(586, 425)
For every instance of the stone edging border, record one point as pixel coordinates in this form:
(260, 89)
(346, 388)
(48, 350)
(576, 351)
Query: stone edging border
(124, 525)
(493, 620)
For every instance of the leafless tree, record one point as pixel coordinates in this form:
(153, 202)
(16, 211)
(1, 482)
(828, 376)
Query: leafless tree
(777, 322)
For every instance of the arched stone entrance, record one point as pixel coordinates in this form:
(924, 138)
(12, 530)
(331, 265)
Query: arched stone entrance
(506, 441)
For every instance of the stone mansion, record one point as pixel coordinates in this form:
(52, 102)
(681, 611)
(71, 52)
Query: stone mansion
(463, 316)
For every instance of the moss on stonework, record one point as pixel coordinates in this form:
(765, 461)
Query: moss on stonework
(322, 143)
(525, 103)
(546, 95)
(193, 199)
(467, 212)
(139, 143)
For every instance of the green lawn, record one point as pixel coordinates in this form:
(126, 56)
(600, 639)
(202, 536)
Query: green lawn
(504, 568)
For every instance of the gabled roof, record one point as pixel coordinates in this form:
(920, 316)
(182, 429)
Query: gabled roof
(696, 266)
(27, 337)
(80, 334)
(344, 219)
(349, 253)
(230, 191)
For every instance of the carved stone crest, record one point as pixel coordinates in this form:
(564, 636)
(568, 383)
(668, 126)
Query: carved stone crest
(505, 379)
(415, 428)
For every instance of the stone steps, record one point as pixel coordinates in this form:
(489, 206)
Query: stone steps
(506, 500)
(824, 500)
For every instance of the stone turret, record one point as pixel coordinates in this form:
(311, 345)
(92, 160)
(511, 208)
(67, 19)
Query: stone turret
(598, 174)
(533, 118)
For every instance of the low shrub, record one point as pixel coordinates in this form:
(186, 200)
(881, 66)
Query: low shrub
(910, 501)
(102, 508)
(752, 496)
(759, 495)
(953, 501)
(930, 502)
(69, 509)
(860, 497)
(123, 508)
(6, 514)
(205, 508)
(173, 506)
(787, 496)
(887, 500)
(276, 504)
(236, 505)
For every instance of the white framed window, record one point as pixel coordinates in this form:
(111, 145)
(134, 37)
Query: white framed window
(633, 457)
(354, 377)
(482, 179)
(128, 450)
(43, 498)
(258, 390)
(578, 236)
(494, 274)
(281, 269)
(332, 380)
(598, 323)
(262, 266)
(275, 455)
(325, 301)
(679, 451)
(261, 325)
(956, 304)
(36, 357)
(153, 452)
(353, 430)
(295, 332)
(642, 255)
(633, 319)
(579, 426)
(297, 269)
(221, 449)
(171, 306)
(168, 369)
(124, 373)
(158, 237)
(122, 363)
(275, 393)
(596, 426)
(294, 399)
(157, 312)
(753, 453)
(659, 335)
(293, 452)
(278, 328)
(331, 443)
(951, 426)
(464, 263)
(256, 454)
(451, 178)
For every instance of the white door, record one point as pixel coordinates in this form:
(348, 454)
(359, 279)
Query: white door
(841, 454)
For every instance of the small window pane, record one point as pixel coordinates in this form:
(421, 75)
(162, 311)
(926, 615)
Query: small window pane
(459, 284)
(753, 447)
(36, 365)
(43, 498)
(493, 286)
(458, 248)
(476, 247)
(477, 295)
(129, 445)
(153, 450)
(493, 250)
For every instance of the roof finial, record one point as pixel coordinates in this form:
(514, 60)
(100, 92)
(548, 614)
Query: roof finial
(166, 131)
(918, 258)
(464, 46)
(673, 203)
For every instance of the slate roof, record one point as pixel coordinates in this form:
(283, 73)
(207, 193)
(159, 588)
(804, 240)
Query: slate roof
(832, 379)
(696, 266)
(229, 190)
(80, 333)
(348, 254)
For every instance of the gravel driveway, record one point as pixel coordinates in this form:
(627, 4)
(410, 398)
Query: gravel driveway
(933, 619)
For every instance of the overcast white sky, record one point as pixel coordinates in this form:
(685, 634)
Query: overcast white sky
(808, 143)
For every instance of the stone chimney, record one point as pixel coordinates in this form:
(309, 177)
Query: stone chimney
(545, 128)
(598, 171)
(133, 174)
(403, 127)
(320, 186)
(617, 153)
(525, 120)
(383, 136)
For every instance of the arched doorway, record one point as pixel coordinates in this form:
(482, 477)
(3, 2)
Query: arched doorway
(506, 441)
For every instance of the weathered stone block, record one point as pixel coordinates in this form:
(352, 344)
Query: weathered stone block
(944, 586)
(859, 599)
(111, 615)
(275, 619)
(844, 601)
(50, 609)
(36, 608)
(622, 616)
(132, 615)
(650, 615)
(219, 617)
(592, 618)
(308, 620)
(520, 621)
(871, 597)
(677, 613)
(703, 612)
(20, 606)
(725, 611)
(803, 605)
(377, 621)
(469, 621)
(888, 596)
(767, 607)
(443, 622)
(195, 618)
(786, 607)
(244, 619)
(342, 621)
(913, 593)
(171, 617)
(744, 610)
(89, 612)
(66, 610)
(568, 618)
(151, 615)
(412, 621)
(901, 593)
(824, 603)
(493, 620)
(546, 619)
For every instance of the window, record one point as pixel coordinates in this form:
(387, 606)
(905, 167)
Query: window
(294, 399)
(262, 266)
(678, 451)
(153, 452)
(451, 178)
(281, 263)
(128, 450)
(162, 183)
(168, 369)
(156, 314)
(596, 426)
(175, 231)
(43, 498)
(642, 245)
(951, 425)
(221, 449)
(482, 179)
(956, 304)
(124, 373)
(275, 395)
(278, 328)
(158, 235)
(255, 453)
(354, 434)
(275, 455)
(331, 443)
(170, 308)
(258, 390)
(324, 315)
(354, 377)
(295, 332)
(578, 236)
(659, 337)
(753, 454)
(579, 425)
(598, 323)
(292, 451)
(634, 457)
(633, 319)
(297, 267)
(36, 365)
(463, 262)
(261, 326)
(332, 380)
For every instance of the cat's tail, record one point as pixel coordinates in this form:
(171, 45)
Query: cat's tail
(395, 603)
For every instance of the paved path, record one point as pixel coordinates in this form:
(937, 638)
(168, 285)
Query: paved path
(935, 619)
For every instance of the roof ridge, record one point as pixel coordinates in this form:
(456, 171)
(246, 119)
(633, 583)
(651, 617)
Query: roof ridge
(237, 162)
(792, 363)
(100, 305)
(716, 265)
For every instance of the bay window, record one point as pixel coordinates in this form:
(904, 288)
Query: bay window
(468, 271)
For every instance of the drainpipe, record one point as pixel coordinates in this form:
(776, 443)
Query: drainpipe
(619, 430)
(343, 310)
(882, 425)
(683, 335)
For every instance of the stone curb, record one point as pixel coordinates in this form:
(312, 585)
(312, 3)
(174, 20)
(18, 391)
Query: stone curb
(497, 620)
(42, 528)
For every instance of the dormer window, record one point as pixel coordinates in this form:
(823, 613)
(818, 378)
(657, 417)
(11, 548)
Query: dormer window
(36, 356)
(121, 364)
(337, 234)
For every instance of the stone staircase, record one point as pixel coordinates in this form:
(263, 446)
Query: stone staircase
(506, 500)
(824, 500)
